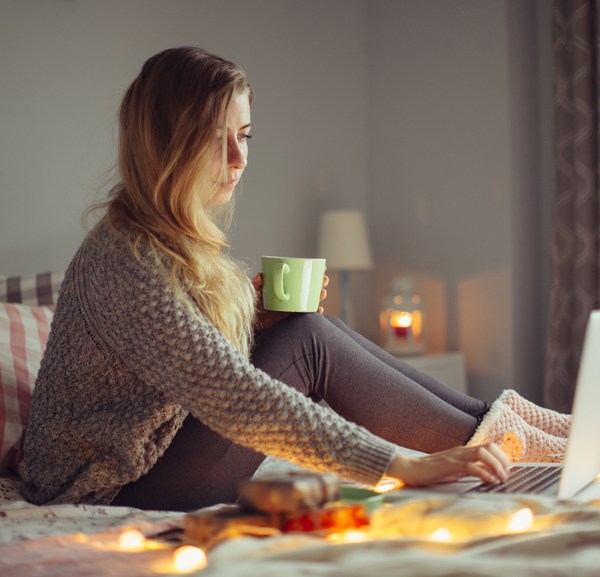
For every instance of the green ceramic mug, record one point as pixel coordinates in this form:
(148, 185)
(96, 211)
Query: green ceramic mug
(292, 284)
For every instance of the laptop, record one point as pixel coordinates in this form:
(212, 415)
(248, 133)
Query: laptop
(574, 478)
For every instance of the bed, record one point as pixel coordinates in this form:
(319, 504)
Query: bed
(411, 534)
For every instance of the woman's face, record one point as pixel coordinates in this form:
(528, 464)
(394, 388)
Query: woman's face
(236, 134)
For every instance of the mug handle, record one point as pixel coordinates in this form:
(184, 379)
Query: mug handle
(280, 269)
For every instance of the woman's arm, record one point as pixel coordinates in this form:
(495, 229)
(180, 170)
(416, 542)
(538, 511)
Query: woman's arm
(170, 347)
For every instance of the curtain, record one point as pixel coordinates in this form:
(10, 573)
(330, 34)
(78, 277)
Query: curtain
(575, 284)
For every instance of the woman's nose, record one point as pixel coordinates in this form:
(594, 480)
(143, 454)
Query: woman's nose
(236, 156)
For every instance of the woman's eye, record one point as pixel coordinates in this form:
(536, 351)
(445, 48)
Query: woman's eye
(244, 137)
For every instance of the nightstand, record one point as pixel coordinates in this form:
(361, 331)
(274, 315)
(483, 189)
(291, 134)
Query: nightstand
(449, 368)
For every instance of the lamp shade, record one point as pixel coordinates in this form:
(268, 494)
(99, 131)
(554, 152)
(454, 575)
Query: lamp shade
(343, 240)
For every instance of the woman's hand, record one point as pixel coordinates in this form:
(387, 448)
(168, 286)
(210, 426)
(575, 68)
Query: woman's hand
(487, 462)
(323, 293)
(265, 319)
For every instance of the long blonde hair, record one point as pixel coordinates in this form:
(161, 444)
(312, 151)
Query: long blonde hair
(169, 120)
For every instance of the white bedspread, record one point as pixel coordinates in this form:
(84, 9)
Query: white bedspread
(417, 535)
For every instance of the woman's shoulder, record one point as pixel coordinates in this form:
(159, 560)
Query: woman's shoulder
(107, 239)
(110, 263)
(116, 248)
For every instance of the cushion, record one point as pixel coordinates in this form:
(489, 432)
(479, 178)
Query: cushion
(41, 289)
(23, 335)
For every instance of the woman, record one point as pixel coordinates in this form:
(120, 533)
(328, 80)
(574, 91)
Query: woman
(162, 385)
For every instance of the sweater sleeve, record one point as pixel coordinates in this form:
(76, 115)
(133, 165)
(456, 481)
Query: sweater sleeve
(131, 310)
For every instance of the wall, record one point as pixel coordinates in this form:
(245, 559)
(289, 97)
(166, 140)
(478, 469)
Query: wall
(65, 65)
(425, 113)
(454, 173)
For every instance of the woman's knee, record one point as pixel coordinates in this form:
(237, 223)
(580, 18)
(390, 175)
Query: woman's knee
(294, 336)
(309, 324)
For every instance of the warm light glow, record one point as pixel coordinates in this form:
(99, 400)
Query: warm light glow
(354, 536)
(417, 325)
(188, 558)
(441, 535)
(350, 536)
(520, 521)
(401, 319)
(386, 485)
(131, 540)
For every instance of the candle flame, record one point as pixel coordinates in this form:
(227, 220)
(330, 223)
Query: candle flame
(401, 320)
(188, 558)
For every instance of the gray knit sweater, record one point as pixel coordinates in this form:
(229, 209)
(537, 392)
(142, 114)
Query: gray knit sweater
(126, 362)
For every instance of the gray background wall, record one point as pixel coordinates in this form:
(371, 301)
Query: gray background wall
(432, 116)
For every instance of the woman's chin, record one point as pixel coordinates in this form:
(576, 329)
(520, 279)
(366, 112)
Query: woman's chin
(223, 196)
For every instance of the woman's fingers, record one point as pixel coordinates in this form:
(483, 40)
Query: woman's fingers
(257, 281)
(487, 462)
(323, 295)
(325, 284)
(497, 461)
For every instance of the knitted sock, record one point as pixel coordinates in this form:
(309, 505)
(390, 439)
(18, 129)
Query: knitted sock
(557, 424)
(519, 440)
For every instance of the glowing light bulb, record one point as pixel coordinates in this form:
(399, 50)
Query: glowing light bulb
(441, 535)
(520, 521)
(354, 536)
(188, 558)
(386, 485)
(131, 540)
(350, 536)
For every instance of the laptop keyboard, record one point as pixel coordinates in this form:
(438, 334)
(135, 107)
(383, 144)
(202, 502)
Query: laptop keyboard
(525, 479)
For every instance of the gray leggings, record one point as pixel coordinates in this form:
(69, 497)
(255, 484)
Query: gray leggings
(325, 360)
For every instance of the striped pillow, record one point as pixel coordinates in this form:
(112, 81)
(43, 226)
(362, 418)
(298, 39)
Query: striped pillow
(41, 289)
(23, 335)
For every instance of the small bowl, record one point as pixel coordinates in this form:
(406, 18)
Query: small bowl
(371, 500)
